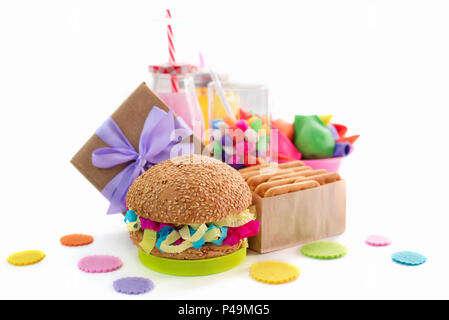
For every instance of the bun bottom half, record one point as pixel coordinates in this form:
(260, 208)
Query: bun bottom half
(206, 251)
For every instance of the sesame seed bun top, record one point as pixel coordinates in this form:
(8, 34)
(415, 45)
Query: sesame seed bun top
(189, 189)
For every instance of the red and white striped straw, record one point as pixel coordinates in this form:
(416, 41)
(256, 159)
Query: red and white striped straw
(171, 52)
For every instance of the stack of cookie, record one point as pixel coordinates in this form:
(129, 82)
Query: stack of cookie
(268, 181)
(295, 204)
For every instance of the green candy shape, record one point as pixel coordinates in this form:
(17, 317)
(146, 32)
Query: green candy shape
(313, 138)
(217, 149)
(261, 145)
(256, 125)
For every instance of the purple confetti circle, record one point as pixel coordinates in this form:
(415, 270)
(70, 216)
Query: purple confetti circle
(133, 285)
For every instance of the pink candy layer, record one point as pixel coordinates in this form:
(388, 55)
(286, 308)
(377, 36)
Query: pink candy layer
(235, 234)
(153, 225)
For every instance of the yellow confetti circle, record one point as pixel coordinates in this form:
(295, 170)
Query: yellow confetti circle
(24, 258)
(274, 272)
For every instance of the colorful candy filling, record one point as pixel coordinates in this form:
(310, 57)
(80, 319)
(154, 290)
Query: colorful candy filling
(173, 238)
(241, 142)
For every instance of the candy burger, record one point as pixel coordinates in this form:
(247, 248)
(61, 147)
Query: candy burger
(189, 215)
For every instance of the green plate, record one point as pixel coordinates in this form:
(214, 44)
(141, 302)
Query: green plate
(192, 267)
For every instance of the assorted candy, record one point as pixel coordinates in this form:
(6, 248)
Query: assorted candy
(315, 137)
(246, 140)
(243, 141)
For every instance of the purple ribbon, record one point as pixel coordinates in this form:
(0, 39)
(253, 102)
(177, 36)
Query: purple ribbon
(160, 133)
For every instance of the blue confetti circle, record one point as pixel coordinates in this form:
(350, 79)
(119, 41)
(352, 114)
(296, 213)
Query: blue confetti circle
(408, 258)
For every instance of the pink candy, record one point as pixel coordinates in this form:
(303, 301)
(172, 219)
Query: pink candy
(247, 230)
(242, 125)
(153, 225)
(237, 134)
(235, 159)
(243, 148)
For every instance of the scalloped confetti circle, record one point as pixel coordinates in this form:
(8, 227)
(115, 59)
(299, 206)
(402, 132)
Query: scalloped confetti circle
(75, 240)
(133, 285)
(274, 272)
(99, 264)
(324, 250)
(25, 258)
(375, 240)
(408, 258)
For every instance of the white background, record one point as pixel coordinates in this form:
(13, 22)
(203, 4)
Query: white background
(381, 67)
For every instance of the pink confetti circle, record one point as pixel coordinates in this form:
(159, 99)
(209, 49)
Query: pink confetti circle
(377, 240)
(99, 263)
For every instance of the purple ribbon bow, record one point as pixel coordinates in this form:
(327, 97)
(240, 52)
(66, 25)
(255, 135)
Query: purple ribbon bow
(161, 132)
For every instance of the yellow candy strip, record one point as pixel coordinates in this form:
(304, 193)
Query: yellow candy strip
(172, 237)
(133, 226)
(185, 233)
(149, 240)
(212, 235)
(236, 220)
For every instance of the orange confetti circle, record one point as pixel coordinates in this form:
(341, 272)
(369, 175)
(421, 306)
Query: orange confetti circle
(75, 240)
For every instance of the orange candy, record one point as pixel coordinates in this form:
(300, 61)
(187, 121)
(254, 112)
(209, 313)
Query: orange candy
(285, 127)
(350, 139)
(229, 121)
(250, 120)
(74, 240)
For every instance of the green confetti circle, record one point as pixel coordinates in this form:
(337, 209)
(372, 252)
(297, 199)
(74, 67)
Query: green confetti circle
(324, 250)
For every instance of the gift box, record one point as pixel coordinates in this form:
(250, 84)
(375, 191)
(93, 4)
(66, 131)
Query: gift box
(143, 131)
(291, 218)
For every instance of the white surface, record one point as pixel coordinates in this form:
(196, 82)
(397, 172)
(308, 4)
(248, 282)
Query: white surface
(381, 67)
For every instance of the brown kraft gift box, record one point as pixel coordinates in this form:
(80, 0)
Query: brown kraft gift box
(130, 117)
(299, 217)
